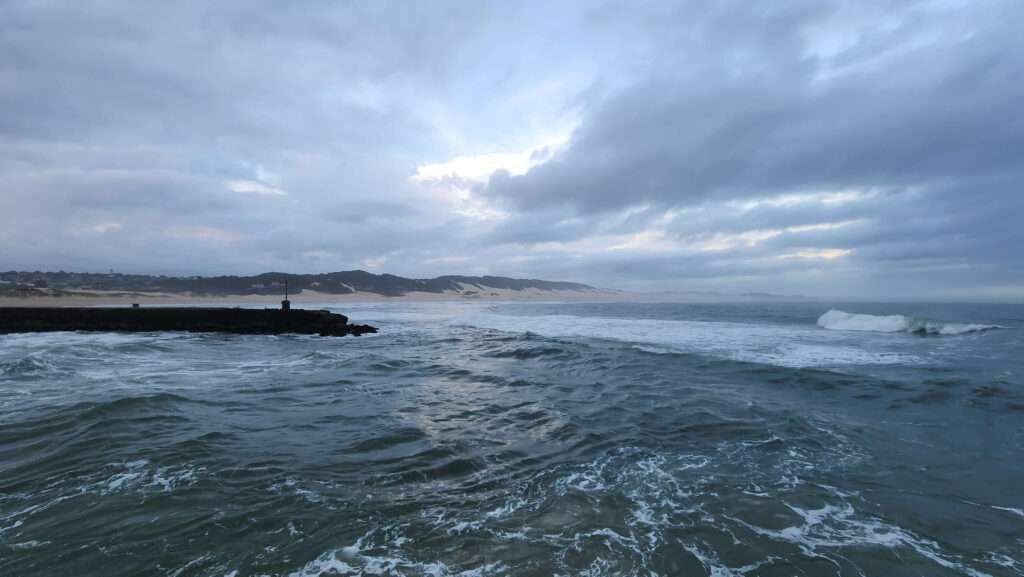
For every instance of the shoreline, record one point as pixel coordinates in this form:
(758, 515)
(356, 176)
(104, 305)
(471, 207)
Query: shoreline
(304, 298)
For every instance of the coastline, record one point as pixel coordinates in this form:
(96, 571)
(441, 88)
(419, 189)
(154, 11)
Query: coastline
(304, 298)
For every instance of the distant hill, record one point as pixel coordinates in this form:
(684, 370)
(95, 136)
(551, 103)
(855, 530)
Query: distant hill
(272, 283)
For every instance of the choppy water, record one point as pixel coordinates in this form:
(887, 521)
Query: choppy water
(529, 439)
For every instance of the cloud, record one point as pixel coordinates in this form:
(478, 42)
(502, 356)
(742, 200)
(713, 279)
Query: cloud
(480, 167)
(105, 227)
(253, 187)
(911, 122)
(817, 253)
(204, 233)
(837, 147)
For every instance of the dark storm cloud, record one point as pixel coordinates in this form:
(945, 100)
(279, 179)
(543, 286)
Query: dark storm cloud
(922, 115)
(735, 107)
(132, 121)
(799, 147)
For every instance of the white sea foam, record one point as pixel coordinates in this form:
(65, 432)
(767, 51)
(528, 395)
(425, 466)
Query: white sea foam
(839, 320)
(141, 475)
(782, 345)
(1015, 511)
(28, 544)
(292, 487)
(839, 526)
(663, 493)
(355, 559)
(326, 564)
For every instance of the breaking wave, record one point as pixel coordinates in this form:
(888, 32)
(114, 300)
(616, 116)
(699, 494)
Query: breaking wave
(838, 320)
(780, 345)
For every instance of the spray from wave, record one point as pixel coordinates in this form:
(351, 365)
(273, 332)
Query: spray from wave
(838, 320)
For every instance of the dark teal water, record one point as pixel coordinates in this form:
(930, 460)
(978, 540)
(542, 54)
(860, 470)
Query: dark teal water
(522, 439)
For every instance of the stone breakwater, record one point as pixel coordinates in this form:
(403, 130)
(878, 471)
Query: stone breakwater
(191, 319)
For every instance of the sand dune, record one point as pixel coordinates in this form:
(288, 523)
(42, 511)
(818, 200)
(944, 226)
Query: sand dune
(305, 298)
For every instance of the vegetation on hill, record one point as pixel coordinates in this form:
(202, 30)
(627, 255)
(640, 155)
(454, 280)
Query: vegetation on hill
(272, 283)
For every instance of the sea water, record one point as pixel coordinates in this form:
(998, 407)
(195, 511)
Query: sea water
(525, 439)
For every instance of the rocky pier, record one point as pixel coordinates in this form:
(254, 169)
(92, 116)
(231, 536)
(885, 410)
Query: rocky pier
(190, 319)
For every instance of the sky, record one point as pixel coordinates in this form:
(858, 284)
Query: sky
(836, 148)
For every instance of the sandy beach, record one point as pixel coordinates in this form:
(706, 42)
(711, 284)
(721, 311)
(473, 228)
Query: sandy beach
(305, 298)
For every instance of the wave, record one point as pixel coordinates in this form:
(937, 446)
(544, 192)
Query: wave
(838, 320)
(781, 345)
(32, 364)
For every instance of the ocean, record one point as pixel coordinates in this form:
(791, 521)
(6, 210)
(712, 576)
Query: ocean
(535, 439)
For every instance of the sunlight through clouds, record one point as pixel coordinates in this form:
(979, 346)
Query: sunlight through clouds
(480, 167)
(253, 187)
(817, 254)
(454, 181)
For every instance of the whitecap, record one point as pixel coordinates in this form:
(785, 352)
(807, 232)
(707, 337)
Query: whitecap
(838, 320)
(1018, 512)
(781, 345)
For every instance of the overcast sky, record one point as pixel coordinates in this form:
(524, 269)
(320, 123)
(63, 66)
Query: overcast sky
(829, 148)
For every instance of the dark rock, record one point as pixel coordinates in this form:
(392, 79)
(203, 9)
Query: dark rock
(191, 319)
